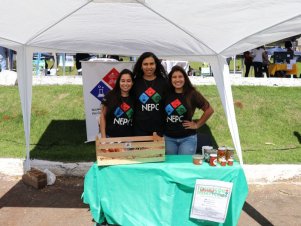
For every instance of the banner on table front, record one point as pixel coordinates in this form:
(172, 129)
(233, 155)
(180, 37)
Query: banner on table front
(98, 79)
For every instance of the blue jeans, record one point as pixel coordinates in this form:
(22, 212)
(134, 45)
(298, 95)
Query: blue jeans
(181, 146)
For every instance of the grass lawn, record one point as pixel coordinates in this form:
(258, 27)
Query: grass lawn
(269, 123)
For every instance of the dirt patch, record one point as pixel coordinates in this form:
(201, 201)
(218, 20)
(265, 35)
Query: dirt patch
(5, 117)
(238, 104)
(59, 204)
(63, 95)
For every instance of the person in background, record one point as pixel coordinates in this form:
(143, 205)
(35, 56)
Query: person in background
(78, 58)
(248, 60)
(149, 92)
(116, 57)
(3, 55)
(257, 61)
(116, 116)
(190, 71)
(289, 46)
(181, 102)
(265, 63)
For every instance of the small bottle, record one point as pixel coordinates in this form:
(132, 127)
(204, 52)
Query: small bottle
(213, 160)
(230, 162)
(223, 162)
(221, 154)
(229, 153)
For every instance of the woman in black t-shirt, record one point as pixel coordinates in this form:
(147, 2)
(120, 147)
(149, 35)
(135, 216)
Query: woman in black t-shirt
(149, 92)
(180, 104)
(116, 116)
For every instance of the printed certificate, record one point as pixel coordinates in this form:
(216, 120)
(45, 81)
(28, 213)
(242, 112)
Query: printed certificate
(211, 200)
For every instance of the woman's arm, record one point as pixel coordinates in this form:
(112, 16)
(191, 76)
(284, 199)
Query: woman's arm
(102, 120)
(205, 116)
(203, 119)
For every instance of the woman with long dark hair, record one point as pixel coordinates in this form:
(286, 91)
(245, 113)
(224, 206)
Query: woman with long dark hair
(149, 92)
(116, 116)
(180, 104)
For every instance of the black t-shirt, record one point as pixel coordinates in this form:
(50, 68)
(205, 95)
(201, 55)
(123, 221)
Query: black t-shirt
(177, 110)
(119, 118)
(149, 97)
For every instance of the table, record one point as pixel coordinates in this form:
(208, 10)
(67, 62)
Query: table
(157, 193)
(282, 67)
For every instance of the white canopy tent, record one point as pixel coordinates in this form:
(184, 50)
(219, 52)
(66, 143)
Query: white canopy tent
(193, 30)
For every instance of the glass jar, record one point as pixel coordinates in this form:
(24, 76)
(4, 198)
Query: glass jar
(213, 160)
(221, 154)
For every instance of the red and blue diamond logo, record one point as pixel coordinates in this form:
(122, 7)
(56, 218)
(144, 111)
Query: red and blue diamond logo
(105, 85)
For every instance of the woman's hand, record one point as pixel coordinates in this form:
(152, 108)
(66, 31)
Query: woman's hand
(190, 124)
(197, 124)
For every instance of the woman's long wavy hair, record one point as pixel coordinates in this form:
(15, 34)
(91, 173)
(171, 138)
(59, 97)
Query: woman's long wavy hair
(138, 72)
(188, 89)
(115, 93)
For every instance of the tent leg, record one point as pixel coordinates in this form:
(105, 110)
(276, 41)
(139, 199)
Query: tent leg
(221, 76)
(24, 66)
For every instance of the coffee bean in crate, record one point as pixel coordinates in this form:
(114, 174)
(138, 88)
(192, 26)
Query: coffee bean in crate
(129, 150)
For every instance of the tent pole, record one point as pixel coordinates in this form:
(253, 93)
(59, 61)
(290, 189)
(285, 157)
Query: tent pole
(221, 75)
(24, 66)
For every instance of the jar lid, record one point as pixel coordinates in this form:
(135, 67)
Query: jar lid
(207, 147)
(198, 156)
(230, 148)
(213, 155)
(222, 148)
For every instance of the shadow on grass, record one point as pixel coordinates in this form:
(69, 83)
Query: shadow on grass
(297, 134)
(205, 138)
(64, 140)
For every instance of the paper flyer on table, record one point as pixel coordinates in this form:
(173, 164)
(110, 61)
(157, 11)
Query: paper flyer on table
(211, 200)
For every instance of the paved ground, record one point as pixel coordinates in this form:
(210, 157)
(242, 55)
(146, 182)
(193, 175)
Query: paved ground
(60, 204)
(273, 204)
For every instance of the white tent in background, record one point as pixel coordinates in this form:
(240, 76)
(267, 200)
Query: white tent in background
(180, 30)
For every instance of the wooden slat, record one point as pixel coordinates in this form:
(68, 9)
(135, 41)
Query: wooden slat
(128, 161)
(129, 139)
(130, 150)
(134, 153)
(131, 145)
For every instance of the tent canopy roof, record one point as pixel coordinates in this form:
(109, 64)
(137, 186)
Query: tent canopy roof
(177, 28)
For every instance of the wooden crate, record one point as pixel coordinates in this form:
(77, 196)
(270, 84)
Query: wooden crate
(129, 150)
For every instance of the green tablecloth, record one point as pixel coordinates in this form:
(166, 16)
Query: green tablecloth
(157, 194)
